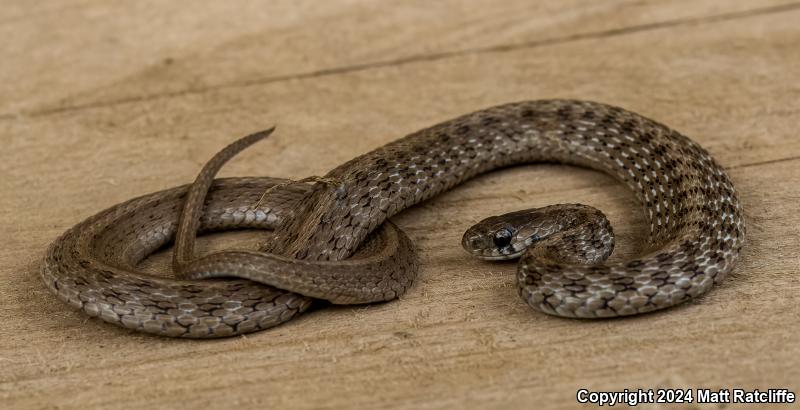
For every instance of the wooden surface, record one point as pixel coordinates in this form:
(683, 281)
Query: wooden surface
(102, 101)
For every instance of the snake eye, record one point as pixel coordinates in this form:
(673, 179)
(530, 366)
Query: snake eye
(502, 237)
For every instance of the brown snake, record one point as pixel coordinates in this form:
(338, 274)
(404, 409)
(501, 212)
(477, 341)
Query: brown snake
(322, 244)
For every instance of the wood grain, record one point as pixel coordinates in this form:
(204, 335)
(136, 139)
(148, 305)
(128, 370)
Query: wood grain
(101, 102)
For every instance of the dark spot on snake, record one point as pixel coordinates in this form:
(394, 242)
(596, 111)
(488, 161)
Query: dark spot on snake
(634, 263)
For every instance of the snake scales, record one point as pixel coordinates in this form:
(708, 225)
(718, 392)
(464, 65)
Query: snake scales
(332, 240)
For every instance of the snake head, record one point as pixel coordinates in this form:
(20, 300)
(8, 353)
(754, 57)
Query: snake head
(508, 236)
(494, 238)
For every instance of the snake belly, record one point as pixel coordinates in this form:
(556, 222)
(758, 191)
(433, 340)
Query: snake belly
(696, 224)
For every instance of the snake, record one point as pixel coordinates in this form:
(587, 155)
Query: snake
(331, 237)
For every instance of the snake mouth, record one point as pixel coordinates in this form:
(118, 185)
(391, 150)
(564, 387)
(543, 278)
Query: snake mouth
(496, 255)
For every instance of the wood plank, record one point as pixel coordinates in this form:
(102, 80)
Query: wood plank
(78, 52)
(460, 337)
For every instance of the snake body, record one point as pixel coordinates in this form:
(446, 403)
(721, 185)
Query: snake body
(696, 226)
